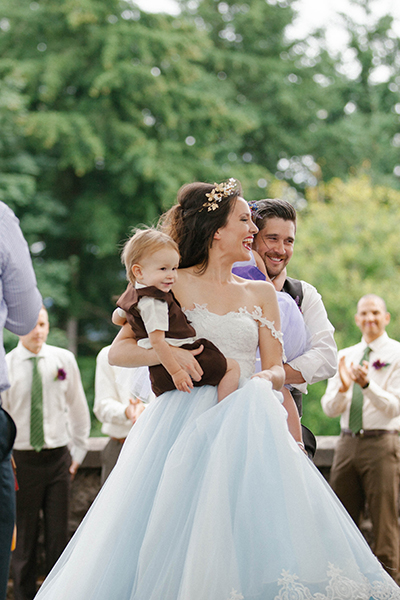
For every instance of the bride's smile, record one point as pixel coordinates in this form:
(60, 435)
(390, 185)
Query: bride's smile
(236, 237)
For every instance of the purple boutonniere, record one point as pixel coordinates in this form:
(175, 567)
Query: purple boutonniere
(379, 364)
(61, 375)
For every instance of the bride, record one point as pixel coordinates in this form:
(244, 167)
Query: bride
(216, 501)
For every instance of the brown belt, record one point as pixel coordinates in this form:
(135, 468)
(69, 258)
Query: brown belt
(369, 432)
(120, 440)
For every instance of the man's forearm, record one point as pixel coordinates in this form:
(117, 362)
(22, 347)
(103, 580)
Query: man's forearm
(292, 376)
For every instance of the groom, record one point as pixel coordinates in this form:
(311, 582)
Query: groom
(276, 221)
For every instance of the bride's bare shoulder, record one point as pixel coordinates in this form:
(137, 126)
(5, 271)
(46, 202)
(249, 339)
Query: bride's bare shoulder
(256, 286)
(185, 282)
(263, 294)
(185, 272)
(184, 276)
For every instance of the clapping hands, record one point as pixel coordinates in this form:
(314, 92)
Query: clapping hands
(356, 373)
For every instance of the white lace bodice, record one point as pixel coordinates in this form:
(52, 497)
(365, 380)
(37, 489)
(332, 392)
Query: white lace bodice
(235, 333)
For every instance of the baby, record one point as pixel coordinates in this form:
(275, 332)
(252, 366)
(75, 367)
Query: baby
(151, 259)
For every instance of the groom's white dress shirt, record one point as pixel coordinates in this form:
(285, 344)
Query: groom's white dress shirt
(319, 362)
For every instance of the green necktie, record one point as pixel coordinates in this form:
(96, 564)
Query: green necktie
(357, 400)
(37, 434)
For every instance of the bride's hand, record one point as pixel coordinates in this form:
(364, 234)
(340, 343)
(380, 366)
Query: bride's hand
(263, 375)
(276, 375)
(186, 359)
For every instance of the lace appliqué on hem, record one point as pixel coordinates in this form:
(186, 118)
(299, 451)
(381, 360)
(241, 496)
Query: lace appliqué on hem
(258, 316)
(339, 587)
(235, 595)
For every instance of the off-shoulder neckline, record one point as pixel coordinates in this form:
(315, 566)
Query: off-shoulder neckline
(256, 315)
(240, 311)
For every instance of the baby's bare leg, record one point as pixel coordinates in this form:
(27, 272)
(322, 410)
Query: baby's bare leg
(230, 381)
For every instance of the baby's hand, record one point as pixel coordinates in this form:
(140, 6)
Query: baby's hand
(182, 381)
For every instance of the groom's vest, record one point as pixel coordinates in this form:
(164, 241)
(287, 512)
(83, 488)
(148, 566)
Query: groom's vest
(294, 288)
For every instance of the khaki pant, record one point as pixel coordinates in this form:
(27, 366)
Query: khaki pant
(367, 469)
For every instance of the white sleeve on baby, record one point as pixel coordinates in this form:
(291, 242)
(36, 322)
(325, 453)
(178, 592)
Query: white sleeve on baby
(154, 314)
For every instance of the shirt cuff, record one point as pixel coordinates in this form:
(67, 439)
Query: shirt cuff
(302, 387)
(78, 454)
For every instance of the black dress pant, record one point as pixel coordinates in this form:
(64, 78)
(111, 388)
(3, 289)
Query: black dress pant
(44, 484)
(7, 498)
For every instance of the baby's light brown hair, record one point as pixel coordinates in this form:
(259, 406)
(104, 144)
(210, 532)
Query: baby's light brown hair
(144, 242)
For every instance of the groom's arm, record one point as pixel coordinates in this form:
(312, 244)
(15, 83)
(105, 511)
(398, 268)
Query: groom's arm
(319, 362)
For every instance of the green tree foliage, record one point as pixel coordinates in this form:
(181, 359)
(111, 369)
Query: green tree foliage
(357, 124)
(347, 243)
(251, 54)
(111, 112)
(315, 115)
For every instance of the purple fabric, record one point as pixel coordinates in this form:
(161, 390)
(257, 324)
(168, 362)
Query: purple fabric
(249, 272)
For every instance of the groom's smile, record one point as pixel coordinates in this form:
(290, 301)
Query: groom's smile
(274, 243)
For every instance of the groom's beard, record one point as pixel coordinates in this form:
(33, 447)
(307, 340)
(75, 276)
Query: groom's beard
(274, 268)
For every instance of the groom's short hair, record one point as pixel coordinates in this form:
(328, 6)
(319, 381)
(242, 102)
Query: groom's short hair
(271, 208)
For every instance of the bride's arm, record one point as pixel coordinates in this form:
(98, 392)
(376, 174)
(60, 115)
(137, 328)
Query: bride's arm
(271, 351)
(125, 352)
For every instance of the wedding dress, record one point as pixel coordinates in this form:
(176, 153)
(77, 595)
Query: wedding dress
(216, 501)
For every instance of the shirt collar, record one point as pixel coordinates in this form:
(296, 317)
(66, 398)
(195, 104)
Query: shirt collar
(138, 285)
(377, 344)
(25, 353)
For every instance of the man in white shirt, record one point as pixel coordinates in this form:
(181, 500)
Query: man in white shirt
(120, 397)
(276, 221)
(45, 467)
(366, 465)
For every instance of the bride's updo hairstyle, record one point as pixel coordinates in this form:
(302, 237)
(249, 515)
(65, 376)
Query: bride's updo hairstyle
(202, 209)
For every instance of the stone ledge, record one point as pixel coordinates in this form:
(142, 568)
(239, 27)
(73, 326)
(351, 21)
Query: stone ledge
(325, 449)
(93, 457)
(323, 457)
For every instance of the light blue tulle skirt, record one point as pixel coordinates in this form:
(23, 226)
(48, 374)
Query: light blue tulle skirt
(216, 502)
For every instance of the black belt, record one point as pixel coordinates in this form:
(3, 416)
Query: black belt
(369, 432)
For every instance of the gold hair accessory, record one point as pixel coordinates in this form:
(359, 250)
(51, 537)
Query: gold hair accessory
(221, 190)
